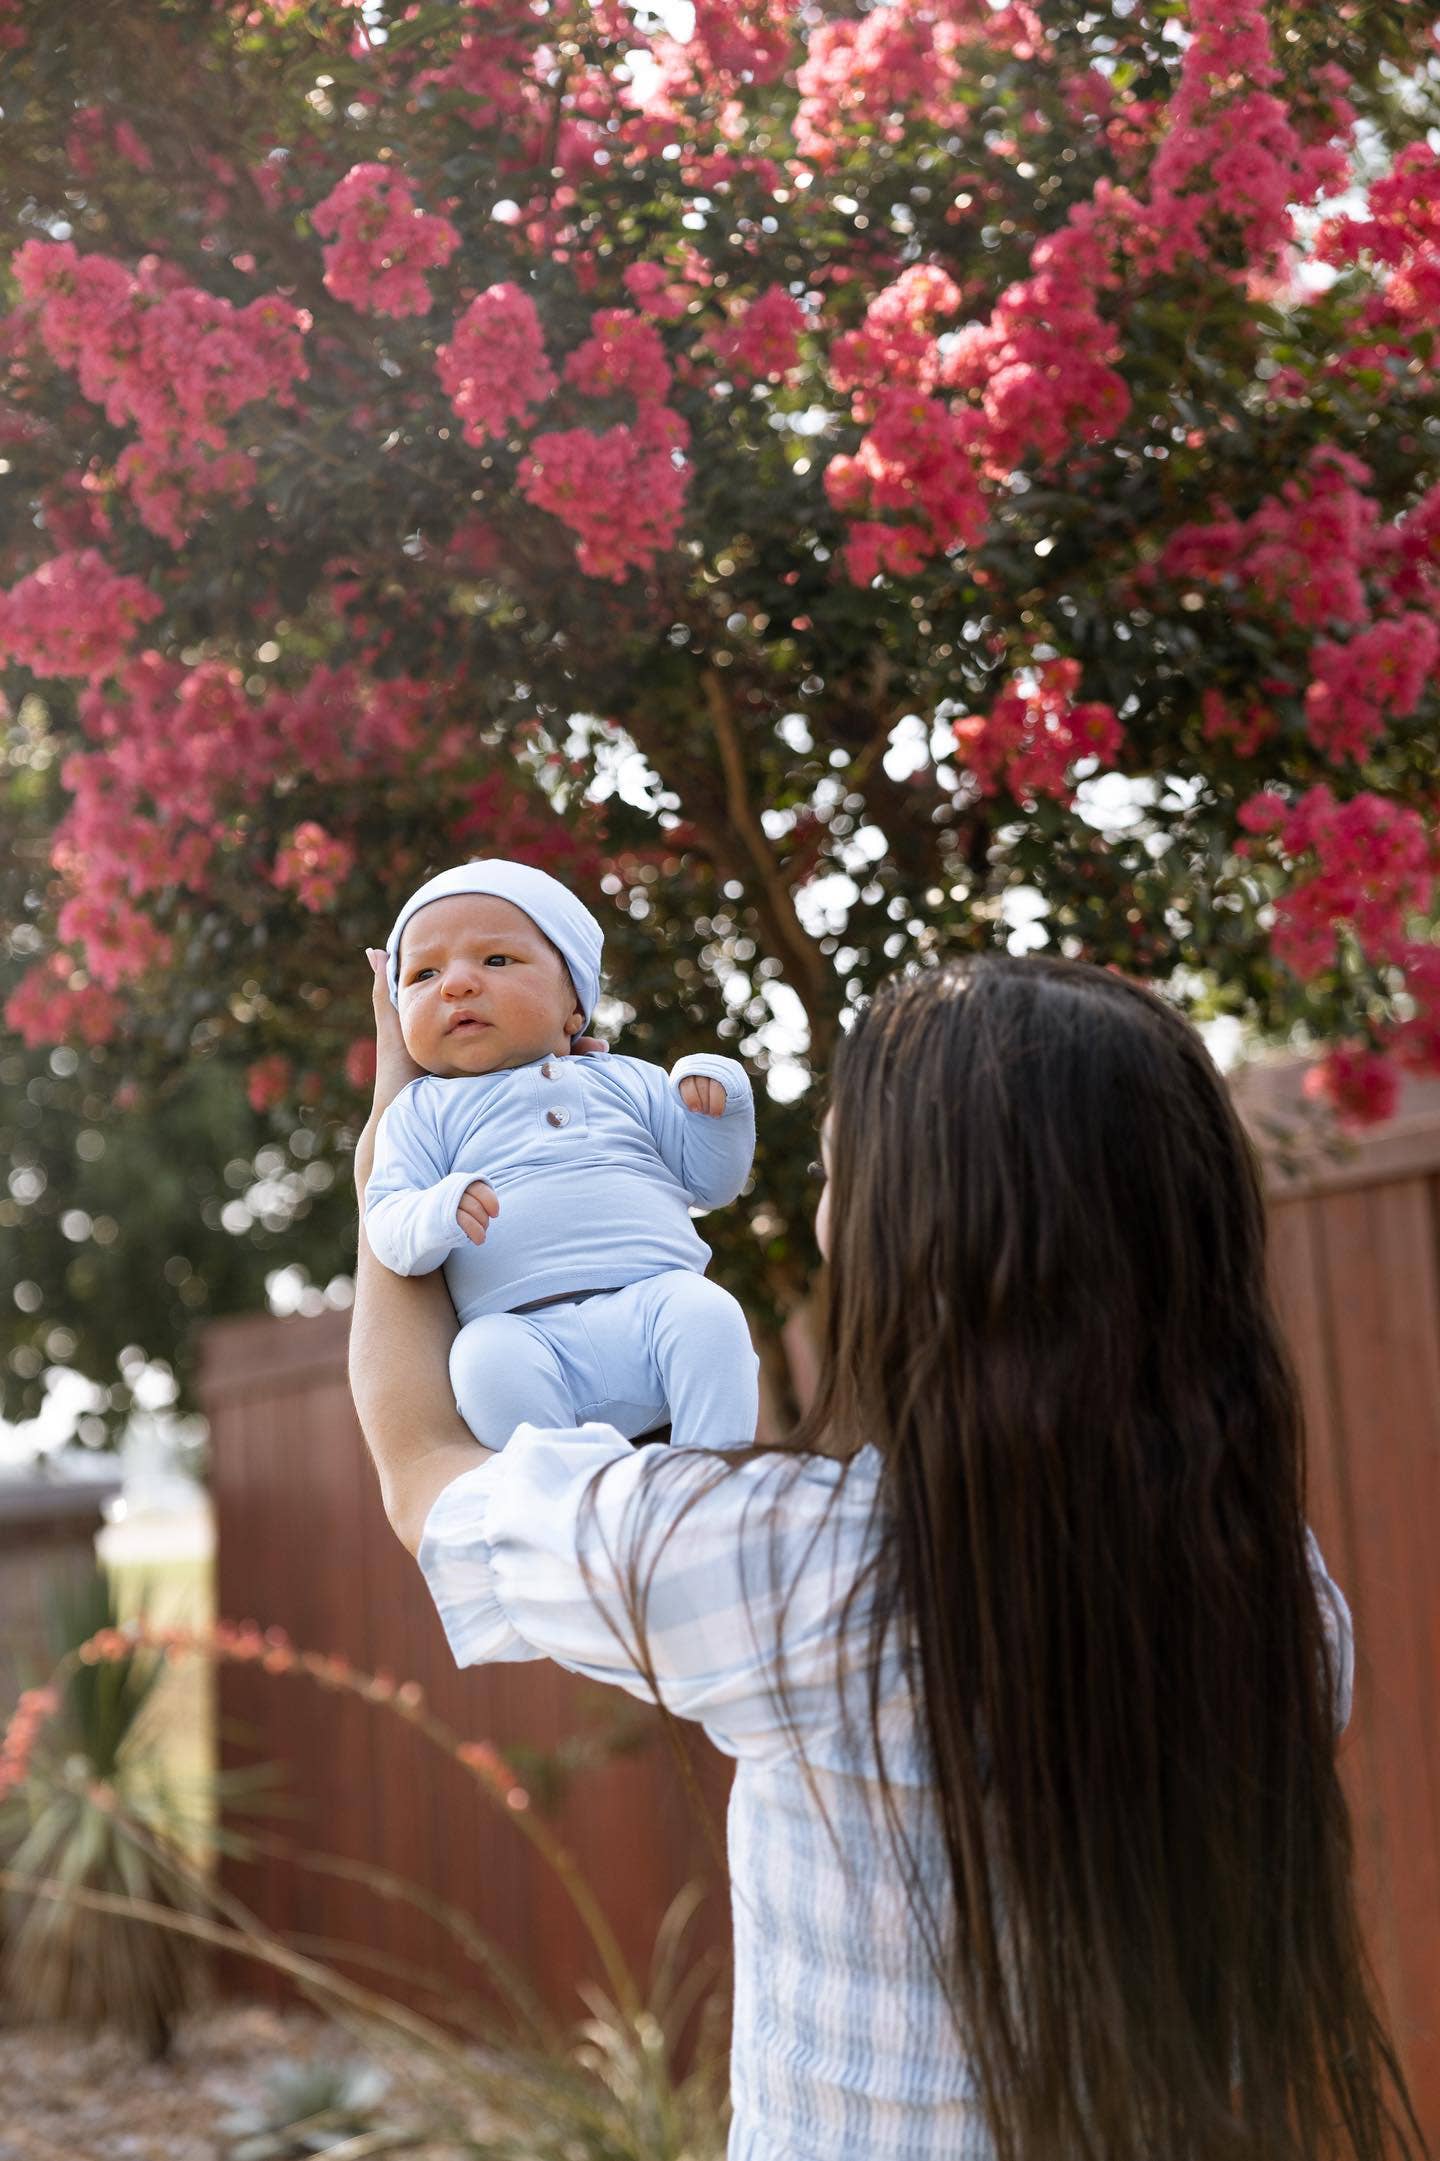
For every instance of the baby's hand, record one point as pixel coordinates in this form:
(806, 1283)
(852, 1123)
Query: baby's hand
(478, 1203)
(699, 1094)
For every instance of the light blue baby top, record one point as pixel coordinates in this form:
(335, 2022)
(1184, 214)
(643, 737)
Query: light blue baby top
(596, 1162)
(844, 2048)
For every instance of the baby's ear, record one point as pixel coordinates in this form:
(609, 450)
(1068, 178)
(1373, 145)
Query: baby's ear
(576, 1023)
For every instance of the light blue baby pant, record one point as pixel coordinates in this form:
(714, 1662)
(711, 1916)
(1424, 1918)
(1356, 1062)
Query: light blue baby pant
(672, 1345)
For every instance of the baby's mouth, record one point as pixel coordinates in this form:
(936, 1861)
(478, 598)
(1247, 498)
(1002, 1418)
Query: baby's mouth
(466, 1021)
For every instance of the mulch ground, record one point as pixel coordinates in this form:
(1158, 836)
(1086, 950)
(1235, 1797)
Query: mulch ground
(66, 2098)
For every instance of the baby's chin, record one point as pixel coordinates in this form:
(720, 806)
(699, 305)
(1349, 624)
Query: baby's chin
(474, 1051)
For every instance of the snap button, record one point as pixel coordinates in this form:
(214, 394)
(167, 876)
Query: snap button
(557, 1118)
(547, 1071)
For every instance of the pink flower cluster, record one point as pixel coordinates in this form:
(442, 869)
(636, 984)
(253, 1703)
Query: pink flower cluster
(121, 945)
(177, 753)
(53, 1003)
(1231, 156)
(1372, 868)
(1043, 366)
(314, 864)
(1401, 236)
(494, 368)
(383, 242)
(656, 291)
(175, 362)
(1245, 732)
(623, 356)
(268, 1082)
(1359, 1083)
(1035, 733)
(918, 457)
(741, 40)
(622, 491)
(897, 342)
(762, 340)
(1308, 546)
(870, 78)
(1380, 675)
(73, 616)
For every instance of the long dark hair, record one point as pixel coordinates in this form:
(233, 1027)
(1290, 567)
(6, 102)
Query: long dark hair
(1048, 1310)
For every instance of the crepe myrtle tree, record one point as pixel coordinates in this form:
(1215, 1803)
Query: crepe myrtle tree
(838, 488)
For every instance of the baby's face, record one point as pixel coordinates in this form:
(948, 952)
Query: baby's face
(481, 988)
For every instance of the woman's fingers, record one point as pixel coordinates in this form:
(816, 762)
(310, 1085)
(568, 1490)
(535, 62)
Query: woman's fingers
(394, 1067)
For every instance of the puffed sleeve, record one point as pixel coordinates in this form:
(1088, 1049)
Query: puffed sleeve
(530, 1555)
(412, 1196)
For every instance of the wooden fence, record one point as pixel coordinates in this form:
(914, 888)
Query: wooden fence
(303, 1544)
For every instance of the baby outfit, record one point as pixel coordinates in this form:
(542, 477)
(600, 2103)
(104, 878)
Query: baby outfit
(588, 1299)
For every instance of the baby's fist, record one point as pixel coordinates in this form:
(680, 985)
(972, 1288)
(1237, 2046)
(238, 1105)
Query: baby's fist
(697, 1093)
(478, 1203)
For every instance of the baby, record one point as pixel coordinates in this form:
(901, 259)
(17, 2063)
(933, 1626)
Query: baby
(556, 1190)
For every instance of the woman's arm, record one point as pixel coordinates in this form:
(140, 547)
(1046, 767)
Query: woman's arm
(401, 1331)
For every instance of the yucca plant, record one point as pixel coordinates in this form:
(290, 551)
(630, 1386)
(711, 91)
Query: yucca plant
(312, 2108)
(98, 1816)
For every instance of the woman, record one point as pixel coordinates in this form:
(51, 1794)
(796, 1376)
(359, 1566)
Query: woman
(1031, 1669)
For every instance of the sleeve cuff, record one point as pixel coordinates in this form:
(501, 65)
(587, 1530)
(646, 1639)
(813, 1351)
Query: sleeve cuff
(708, 1065)
(455, 1560)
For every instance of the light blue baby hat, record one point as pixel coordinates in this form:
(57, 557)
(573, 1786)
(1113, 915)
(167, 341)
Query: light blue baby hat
(552, 907)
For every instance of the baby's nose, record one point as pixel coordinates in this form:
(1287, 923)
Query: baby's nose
(458, 980)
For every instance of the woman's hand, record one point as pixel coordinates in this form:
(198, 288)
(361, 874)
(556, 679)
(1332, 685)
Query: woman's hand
(394, 1066)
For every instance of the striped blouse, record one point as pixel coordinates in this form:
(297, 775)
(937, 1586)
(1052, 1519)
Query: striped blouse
(843, 2047)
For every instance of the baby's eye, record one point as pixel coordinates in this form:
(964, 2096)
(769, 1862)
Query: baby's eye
(496, 960)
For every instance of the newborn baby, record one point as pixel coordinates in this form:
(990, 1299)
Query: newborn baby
(556, 1190)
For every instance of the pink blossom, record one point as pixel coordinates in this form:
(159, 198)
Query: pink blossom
(1231, 159)
(1245, 732)
(53, 1003)
(896, 343)
(901, 62)
(1369, 867)
(654, 292)
(494, 368)
(75, 615)
(314, 864)
(871, 549)
(1416, 1040)
(762, 340)
(120, 944)
(360, 1064)
(1360, 1085)
(917, 459)
(267, 1084)
(1401, 236)
(1035, 733)
(1308, 545)
(383, 242)
(1043, 365)
(623, 355)
(1380, 675)
(175, 362)
(622, 492)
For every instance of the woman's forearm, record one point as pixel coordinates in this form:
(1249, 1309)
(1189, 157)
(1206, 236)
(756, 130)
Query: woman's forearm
(400, 1336)
(401, 1331)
